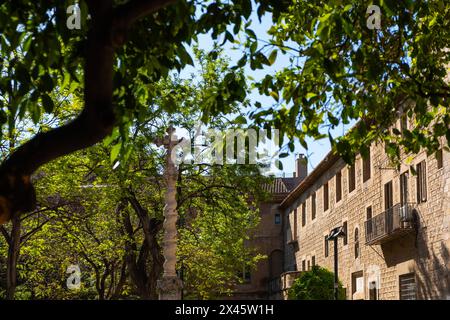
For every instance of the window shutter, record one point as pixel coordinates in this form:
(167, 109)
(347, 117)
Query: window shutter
(418, 182)
(424, 181)
(313, 206)
(345, 233)
(303, 214)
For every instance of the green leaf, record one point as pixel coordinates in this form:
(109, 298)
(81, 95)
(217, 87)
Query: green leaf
(46, 83)
(3, 117)
(250, 33)
(347, 7)
(47, 103)
(273, 56)
(310, 95)
(274, 95)
(109, 139)
(240, 120)
(278, 164)
(115, 151)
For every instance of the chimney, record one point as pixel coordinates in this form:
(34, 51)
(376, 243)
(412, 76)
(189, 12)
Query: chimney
(301, 166)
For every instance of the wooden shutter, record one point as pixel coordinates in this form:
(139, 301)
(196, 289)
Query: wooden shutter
(338, 186)
(325, 197)
(366, 167)
(404, 188)
(407, 283)
(351, 178)
(388, 197)
(313, 206)
(304, 214)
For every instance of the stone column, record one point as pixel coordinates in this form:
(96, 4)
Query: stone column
(170, 285)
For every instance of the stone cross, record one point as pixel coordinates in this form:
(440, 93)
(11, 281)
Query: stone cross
(170, 285)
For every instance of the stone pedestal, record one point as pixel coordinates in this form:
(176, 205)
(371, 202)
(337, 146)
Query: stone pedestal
(169, 288)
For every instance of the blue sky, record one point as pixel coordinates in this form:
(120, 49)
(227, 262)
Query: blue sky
(317, 149)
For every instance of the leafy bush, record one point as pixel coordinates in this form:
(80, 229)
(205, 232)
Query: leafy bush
(316, 284)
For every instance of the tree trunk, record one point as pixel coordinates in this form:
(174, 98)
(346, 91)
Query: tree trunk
(13, 257)
(117, 290)
(157, 259)
(144, 269)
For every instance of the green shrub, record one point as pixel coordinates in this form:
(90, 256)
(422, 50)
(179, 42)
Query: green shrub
(316, 284)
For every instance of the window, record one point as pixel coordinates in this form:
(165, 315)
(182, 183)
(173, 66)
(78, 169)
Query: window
(303, 214)
(440, 158)
(404, 188)
(373, 292)
(303, 265)
(313, 261)
(356, 243)
(407, 283)
(338, 186)
(277, 218)
(368, 218)
(309, 265)
(313, 206)
(325, 247)
(245, 274)
(366, 167)
(351, 178)
(325, 197)
(344, 227)
(388, 196)
(295, 226)
(421, 170)
(403, 123)
(357, 282)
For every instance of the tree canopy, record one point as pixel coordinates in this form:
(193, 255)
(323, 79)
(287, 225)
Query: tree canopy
(102, 212)
(119, 51)
(341, 71)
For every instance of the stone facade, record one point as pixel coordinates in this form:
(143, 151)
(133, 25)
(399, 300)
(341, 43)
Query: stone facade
(269, 240)
(412, 264)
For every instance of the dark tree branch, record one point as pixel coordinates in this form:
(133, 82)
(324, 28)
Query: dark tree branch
(97, 119)
(5, 234)
(133, 10)
(28, 235)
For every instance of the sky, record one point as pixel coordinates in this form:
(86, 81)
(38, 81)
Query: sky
(317, 149)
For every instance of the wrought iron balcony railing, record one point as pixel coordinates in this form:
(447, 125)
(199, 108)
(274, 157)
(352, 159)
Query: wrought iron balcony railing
(392, 223)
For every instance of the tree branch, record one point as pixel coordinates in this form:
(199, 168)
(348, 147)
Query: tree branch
(5, 234)
(128, 13)
(28, 235)
(97, 119)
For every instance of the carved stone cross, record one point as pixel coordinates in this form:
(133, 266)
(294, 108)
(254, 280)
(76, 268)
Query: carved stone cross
(170, 285)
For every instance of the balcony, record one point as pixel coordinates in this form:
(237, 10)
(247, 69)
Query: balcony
(279, 287)
(390, 224)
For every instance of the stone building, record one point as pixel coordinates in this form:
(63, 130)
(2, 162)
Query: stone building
(268, 238)
(396, 223)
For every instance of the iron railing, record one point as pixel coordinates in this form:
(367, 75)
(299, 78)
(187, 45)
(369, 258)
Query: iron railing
(393, 222)
(280, 285)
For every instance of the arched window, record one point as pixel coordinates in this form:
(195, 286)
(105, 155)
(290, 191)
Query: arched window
(357, 243)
